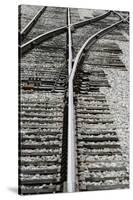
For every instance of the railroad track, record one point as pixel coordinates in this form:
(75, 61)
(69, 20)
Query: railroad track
(68, 140)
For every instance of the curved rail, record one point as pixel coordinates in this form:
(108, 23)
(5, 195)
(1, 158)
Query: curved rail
(88, 43)
(37, 40)
(121, 17)
(28, 27)
(91, 20)
(85, 47)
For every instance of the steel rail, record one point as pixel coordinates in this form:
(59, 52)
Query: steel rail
(72, 119)
(121, 17)
(69, 43)
(28, 27)
(71, 164)
(89, 43)
(37, 40)
(91, 20)
(71, 160)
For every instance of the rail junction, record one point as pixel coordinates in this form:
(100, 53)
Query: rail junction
(67, 136)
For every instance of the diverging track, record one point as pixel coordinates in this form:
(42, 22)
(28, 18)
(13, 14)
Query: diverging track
(68, 141)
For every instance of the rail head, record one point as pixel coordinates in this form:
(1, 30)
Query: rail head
(121, 17)
(28, 27)
(91, 20)
(30, 44)
(37, 40)
(71, 163)
(88, 43)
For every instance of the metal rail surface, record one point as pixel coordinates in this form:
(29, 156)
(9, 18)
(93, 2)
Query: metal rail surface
(37, 40)
(29, 26)
(44, 111)
(88, 43)
(71, 132)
